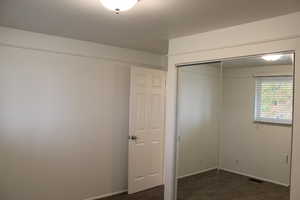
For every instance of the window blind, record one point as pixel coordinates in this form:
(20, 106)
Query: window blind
(274, 99)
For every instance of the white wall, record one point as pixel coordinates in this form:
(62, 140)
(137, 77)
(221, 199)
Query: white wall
(248, 39)
(257, 150)
(64, 116)
(59, 45)
(241, 35)
(198, 119)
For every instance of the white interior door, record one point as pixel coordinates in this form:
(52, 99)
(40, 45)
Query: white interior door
(146, 129)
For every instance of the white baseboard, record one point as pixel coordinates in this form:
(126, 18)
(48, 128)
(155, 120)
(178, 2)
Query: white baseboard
(256, 177)
(106, 195)
(197, 172)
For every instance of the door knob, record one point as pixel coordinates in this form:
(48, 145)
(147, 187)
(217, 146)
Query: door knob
(133, 137)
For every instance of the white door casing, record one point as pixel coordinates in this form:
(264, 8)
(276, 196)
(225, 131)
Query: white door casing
(147, 106)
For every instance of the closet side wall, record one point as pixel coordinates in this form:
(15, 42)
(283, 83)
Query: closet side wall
(198, 119)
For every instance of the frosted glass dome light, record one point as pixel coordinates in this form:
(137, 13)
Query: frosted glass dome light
(118, 5)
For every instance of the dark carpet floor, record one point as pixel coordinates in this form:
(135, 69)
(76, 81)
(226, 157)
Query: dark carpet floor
(152, 194)
(221, 185)
(215, 185)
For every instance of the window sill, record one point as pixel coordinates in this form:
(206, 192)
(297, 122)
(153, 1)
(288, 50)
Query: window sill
(273, 123)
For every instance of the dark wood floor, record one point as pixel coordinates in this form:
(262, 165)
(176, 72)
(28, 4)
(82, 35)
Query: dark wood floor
(215, 185)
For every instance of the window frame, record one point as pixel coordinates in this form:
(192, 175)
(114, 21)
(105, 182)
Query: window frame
(258, 95)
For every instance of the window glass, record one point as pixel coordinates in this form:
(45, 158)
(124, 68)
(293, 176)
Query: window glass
(274, 99)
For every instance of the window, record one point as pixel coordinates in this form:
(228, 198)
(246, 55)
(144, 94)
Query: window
(274, 99)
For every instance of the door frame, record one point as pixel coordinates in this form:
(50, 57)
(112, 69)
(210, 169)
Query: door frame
(221, 54)
(133, 70)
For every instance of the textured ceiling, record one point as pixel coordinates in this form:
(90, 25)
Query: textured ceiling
(147, 26)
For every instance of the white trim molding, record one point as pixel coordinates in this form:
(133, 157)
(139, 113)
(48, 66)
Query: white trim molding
(255, 177)
(106, 195)
(197, 172)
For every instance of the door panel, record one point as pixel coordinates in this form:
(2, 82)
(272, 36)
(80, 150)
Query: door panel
(147, 99)
(156, 111)
(140, 112)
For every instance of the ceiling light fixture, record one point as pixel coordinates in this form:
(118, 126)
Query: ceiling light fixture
(118, 5)
(272, 57)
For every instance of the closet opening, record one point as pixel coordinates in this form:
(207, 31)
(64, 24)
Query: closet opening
(235, 128)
